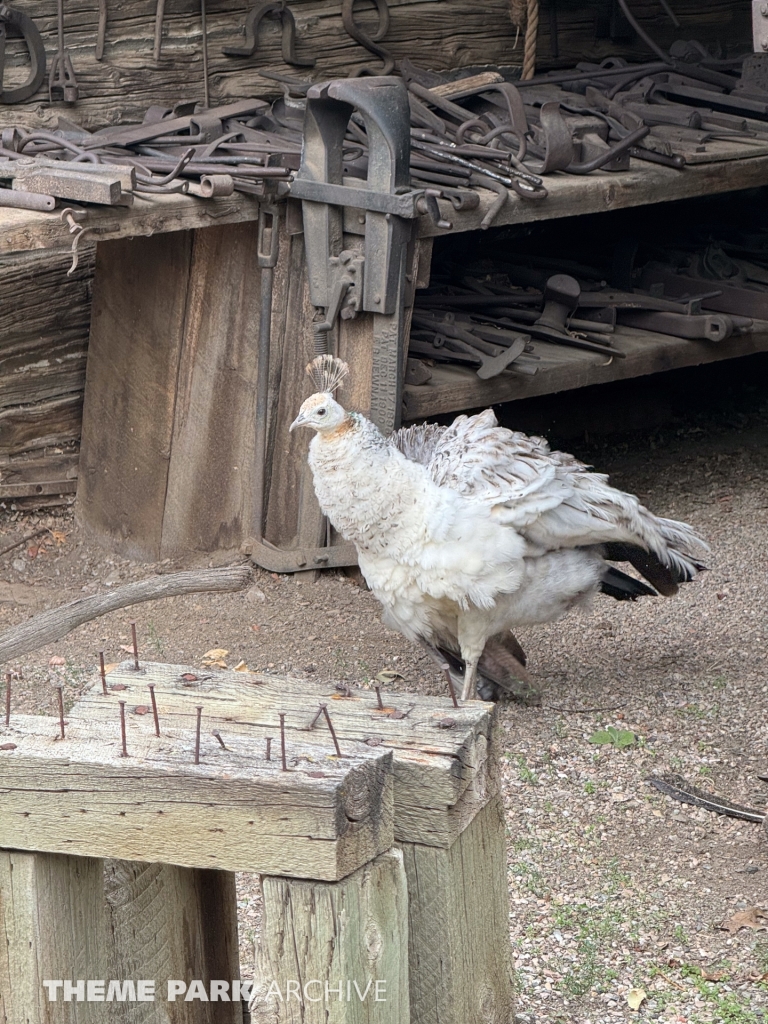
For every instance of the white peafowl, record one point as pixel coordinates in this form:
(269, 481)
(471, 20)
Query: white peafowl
(465, 532)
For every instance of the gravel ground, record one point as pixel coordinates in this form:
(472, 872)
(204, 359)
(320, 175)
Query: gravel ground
(613, 887)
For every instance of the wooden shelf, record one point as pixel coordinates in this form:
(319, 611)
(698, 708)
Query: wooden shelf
(571, 195)
(455, 389)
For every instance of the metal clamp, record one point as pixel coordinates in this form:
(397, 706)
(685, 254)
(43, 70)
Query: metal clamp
(22, 23)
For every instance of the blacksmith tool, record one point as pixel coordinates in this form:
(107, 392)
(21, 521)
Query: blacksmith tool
(22, 200)
(101, 30)
(62, 75)
(267, 252)
(369, 42)
(204, 30)
(278, 10)
(493, 359)
(23, 24)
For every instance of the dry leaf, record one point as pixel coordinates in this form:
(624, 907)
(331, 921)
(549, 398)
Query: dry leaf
(389, 675)
(111, 667)
(58, 536)
(713, 975)
(635, 998)
(753, 917)
(126, 648)
(241, 667)
(57, 660)
(216, 653)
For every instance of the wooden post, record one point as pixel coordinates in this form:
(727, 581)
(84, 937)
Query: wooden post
(344, 944)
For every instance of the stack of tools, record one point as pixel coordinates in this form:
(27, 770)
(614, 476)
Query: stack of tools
(495, 321)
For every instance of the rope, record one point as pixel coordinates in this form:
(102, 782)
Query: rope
(531, 33)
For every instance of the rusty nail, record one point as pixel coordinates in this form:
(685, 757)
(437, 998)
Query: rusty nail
(217, 734)
(103, 672)
(197, 735)
(154, 708)
(315, 720)
(282, 741)
(378, 698)
(7, 698)
(61, 709)
(330, 726)
(450, 685)
(122, 728)
(135, 648)
(269, 748)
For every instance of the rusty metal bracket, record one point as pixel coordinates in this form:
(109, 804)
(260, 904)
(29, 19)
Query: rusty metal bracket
(10, 17)
(299, 559)
(278, 10)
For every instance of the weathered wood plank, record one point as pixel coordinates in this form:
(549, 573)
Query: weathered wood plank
(442, 776)
(53, 925)
(28, 427)
(234, 811)
(214, 413)
(171, 923)
(137, 330)
(458, 928)
(452, 389)
(351, 936)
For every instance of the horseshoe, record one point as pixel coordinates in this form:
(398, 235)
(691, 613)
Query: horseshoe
(10, 17)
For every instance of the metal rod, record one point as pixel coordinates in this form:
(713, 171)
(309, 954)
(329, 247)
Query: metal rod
(159, 15)
(135, 647)
(378, 698)
(451, 690)
(122, 728)
(282, 741)
(217, 734)
(7, 699)
(103, 674)
(269, 748)
(267, 250)
(314, 721)
(154, 708)
(197, 735)
(203, 22)
(332, 730)
(61, 710)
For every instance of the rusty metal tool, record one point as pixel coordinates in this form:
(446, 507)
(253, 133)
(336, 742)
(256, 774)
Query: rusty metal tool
(154, 708)
(66, 183)
(493, 359)
(60, 691)
(7, 699)
(61, 77)
(204, 31)
(268, 242)
(701, 326)
(101, 30)
(197, 734)
(20, 22)
(23, 200)
(278, 10)
(370, 42)
(103, 674)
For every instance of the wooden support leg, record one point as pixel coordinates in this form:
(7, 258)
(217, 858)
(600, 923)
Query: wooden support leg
(458, 926)
(84, 919)
(324, 947)
(53, 925)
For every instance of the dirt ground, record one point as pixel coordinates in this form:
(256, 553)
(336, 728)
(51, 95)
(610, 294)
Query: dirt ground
(613, 887)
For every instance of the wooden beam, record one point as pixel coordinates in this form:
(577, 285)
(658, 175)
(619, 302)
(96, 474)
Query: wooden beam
(235, 811)
(349, 936)
(458, 921)
(53, 925)
(453, 389)
(442, 776)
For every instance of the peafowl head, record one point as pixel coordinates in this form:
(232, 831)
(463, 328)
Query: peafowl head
(321, 411)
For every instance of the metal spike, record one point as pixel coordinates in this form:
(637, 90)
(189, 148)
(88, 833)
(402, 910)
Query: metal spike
(197, 735)
(269, 748)
(451, 690)
(61, 709)
(103, 672)
(282, 741)
(330, 726)
(316, 719)
(379, 701)
(217, 734)
(122, 728)
(135, 648)
(154, 708)
(7, 699)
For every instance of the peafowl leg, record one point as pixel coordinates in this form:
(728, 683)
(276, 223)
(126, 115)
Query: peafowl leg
(469, 690)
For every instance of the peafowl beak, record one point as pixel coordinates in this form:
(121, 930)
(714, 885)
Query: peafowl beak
(298, 422)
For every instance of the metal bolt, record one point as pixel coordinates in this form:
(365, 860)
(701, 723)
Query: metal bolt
(324, 708)
(269, 748)
(447, 672)
(103, 673)
(61, 709)
(197, 735)
(154, 708)
(135, 648)
(217, 734)
(282, 741)
(122, 728)
(378, 698)
(7, 699)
